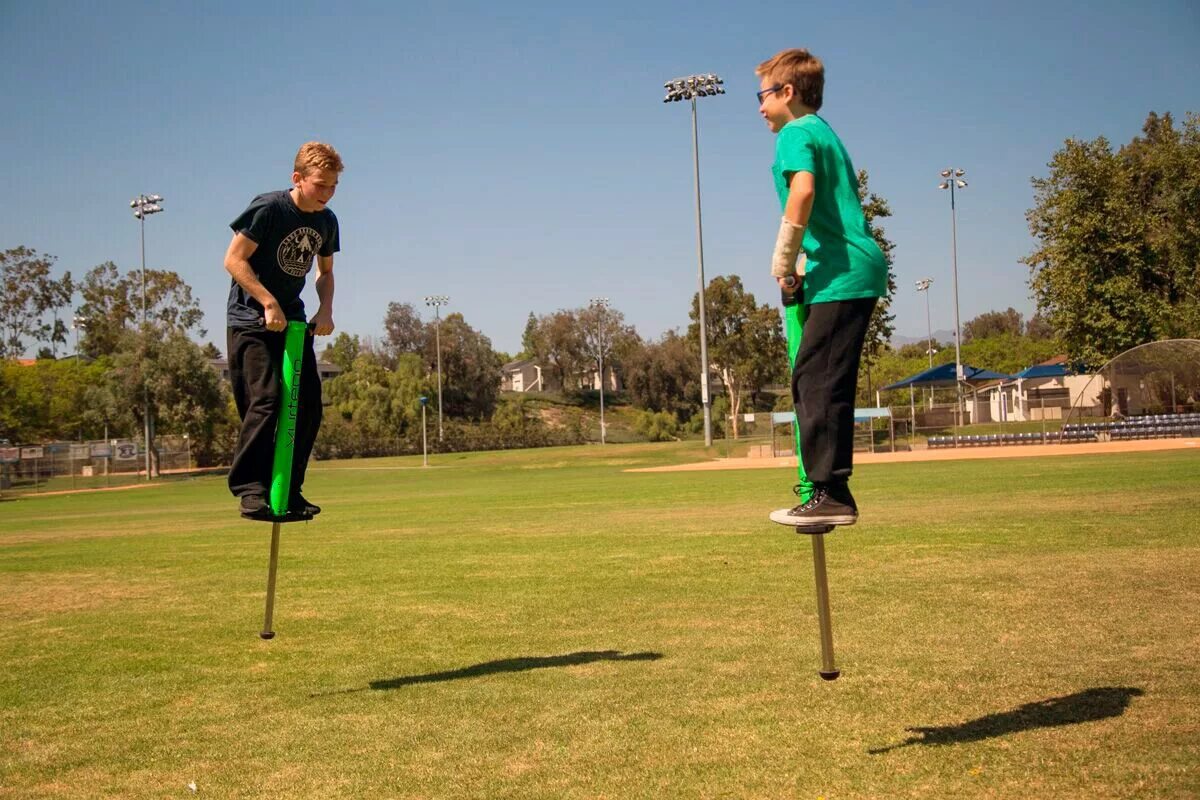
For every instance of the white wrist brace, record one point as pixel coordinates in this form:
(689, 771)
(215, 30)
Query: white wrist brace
(788, 247)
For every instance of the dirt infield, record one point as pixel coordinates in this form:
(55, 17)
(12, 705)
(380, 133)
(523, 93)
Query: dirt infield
(950, 454)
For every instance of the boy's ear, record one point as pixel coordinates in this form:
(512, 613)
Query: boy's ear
(789, 92)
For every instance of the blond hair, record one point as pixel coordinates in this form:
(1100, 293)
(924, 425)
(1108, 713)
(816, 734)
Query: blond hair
(801, 69)
(317, 155)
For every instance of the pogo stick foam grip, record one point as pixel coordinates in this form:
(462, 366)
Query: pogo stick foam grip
(289, 408)
(793, 316)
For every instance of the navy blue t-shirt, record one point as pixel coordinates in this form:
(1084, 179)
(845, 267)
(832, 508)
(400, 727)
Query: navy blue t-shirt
(287, 240)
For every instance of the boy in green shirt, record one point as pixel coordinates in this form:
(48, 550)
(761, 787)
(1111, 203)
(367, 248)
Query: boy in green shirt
(826, 256)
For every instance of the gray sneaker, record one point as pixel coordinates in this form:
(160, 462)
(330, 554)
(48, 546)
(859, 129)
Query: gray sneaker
(825, 507)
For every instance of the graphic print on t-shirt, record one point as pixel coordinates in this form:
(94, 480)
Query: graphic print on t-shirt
(296, 251)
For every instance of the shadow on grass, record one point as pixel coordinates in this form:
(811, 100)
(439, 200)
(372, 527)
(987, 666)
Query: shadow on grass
(523, 664)
(1086, 706)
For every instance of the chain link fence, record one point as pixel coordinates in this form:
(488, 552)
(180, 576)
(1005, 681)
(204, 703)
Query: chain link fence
(97, 464)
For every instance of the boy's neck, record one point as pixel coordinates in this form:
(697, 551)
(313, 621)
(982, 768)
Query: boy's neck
(298, 200)
(798, 110)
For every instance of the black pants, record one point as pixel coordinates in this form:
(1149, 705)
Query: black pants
(255, 361)
(823, 385)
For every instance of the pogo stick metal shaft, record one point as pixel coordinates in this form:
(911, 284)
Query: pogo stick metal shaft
(828, 671)
(267, 632)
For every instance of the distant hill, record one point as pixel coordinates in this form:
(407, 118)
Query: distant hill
(938, 336)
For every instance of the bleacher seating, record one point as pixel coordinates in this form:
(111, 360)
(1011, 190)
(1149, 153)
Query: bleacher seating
(1150, 426)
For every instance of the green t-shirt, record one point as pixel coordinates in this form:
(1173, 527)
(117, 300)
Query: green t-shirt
(844, 263)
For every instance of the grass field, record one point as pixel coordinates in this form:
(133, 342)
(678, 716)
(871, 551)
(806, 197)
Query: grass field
(546, 624)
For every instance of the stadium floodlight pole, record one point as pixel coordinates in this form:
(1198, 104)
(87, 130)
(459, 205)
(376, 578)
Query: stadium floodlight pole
(601, 305)
(437, 301)
(689, 88)
(923, 286)
(952, 179)
(143, 206)
(78, 322)
(424, 440)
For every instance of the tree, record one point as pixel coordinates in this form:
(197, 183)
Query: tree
(58, 298)
(163, 367)
(516, 425)
(1117, 261)
(916, 349)
(1038, 328)
(881, 327)
(746, 342)
(993, 323)
(656, 426)
(50, 400)
(404, 332)
(470, 369)
(211, 351)
(528, 346)
(568, 343)
(100, 414)
(363, 395)
(604, 332)
(342, 351)
(189, 397)
(107, 310)
(664, 376)
(1009, 353)
(170, 303)
(28, 292)
(371, 405)
(112, 306)
(558, 344)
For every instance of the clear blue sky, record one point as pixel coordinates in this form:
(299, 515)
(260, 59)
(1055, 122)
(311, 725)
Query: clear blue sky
(517, 156)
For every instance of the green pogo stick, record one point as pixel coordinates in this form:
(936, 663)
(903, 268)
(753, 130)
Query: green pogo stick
(285, 446)
(794, 313)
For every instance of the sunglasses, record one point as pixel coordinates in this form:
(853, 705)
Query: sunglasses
(767, 91)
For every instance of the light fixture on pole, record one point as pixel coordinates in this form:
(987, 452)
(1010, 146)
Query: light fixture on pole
(952, 179)
(143, 206)
(437, 301)
(689, 88)
(601, 305)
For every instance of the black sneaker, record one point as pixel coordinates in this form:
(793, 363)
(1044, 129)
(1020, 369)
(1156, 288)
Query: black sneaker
(298, 505)
(256, 508)
(832, 505)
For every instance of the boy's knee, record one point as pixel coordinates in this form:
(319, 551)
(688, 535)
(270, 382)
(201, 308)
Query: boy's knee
(264, 405)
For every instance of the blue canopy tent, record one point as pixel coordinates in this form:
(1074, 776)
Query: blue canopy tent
(1042, 371)
(943, 375)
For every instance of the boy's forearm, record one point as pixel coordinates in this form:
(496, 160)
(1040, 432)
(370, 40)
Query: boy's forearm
(788, 258)
(243, 273)
(324, 286)
(799, 206)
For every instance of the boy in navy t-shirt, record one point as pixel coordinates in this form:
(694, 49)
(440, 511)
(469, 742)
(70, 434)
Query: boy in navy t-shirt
(274, 243)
